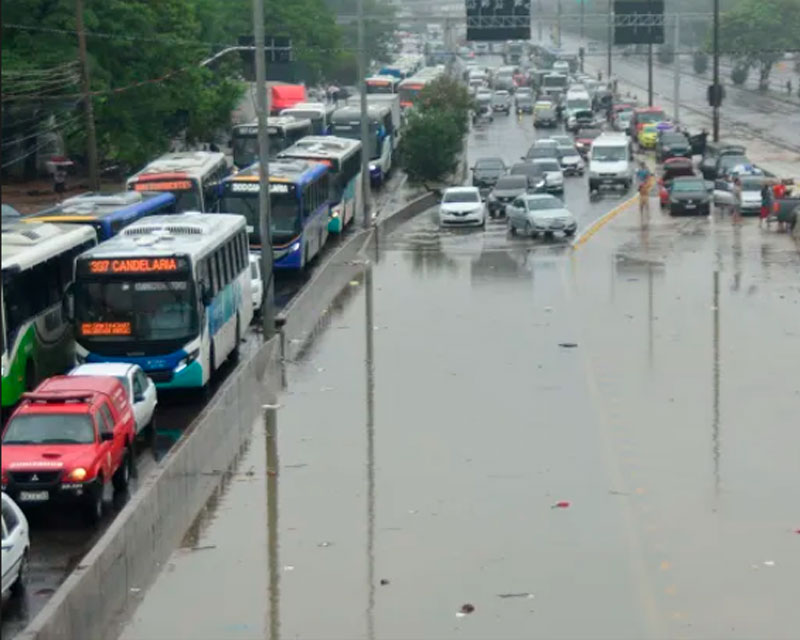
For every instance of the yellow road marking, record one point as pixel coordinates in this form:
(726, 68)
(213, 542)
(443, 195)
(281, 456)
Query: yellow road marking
(602, 221)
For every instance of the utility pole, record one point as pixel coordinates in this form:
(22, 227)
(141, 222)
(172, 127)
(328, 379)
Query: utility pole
(268, 306)
(365, 146)
(650, 74)
(91, 134)
(558, 26)
(676, 87)
(716, 73)
(582, 7)
(610, 36)
(539, 20)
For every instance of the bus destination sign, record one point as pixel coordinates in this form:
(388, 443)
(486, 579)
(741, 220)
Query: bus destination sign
(172, 185)
(105, 328)
(134, 266)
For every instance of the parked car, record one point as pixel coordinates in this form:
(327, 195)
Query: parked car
(536, 214)
(16, 547)
(139, 388)
(256, 282)
(501, 101)
(462, 206)
(69, 442)
(713, 151)
(689, 196)
(505, 191)
(672, 144)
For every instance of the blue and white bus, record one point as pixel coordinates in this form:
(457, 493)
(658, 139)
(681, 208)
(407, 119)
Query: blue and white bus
(108, 213)
(300, 209)
(169, 293)
(347, 124)
(343, 158)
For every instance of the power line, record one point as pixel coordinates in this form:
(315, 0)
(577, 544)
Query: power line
(36, 149)
(55, 127)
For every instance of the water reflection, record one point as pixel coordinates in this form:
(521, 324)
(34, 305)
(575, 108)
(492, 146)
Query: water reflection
(716, 385)
(427, 254)
(510, 265)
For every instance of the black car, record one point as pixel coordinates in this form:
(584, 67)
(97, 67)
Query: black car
(672, 144)
(534, 173)
(504, 192)
(727, 162)
(689, 196)
(713, 151)
(486, 171)
(545, 118)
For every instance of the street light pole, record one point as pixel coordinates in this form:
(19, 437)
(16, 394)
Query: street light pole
(91, 135)
(267, 307)
(365, 147)
(558, 25)
(650, 74)
(610, 34)
(676, 87)
(582, 7)
(716, 89)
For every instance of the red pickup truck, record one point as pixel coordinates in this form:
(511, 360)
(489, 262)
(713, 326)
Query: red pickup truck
(69, 441)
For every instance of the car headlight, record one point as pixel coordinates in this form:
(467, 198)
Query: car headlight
(372, 166)
(294, 247)
(77, 475)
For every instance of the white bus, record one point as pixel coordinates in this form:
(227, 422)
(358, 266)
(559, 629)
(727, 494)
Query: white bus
(319, 113)
(38, 260)
(193, 176)
(283, 132)
(169, 293)
(343, 157)
(347, 124)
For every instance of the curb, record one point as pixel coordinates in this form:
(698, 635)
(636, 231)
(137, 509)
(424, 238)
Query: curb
(598, 224)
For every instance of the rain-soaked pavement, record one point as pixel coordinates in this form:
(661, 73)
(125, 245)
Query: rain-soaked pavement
(589, 444)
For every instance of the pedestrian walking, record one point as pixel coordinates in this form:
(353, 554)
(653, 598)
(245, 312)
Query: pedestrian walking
(766, 202)
(645, 178)
(59, 181)
(737, 201)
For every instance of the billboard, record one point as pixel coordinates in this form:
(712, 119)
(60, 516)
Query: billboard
(498, 20)
(638, 21)
(278, 54)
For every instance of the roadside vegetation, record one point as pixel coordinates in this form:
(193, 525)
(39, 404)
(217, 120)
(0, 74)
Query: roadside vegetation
(435, 130)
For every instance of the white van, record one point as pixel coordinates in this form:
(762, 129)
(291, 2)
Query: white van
(611, 162)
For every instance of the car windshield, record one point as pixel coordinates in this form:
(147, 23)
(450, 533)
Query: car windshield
(732, 161)
(491, 164)
(461, 196)
(588, 133)
(511, 182)
(651, 116)
(549, 165)
(578, 104)
(542, 152)
(688, 185)
(609, 154)
(49, 428)
(541, 204)
(752, 184)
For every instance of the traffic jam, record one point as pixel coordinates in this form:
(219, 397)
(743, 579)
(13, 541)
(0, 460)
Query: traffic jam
(151, 291)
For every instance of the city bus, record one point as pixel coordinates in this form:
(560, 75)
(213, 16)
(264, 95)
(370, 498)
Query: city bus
(347, 124)
(283, 132)
(382, 84)
(299, 207)
(169, 293)
(37, 268)
(318, 112)
(343, 158)
(108, 213)
(192, 176)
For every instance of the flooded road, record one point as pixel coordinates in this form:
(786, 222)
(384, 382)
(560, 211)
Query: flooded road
(498, 437)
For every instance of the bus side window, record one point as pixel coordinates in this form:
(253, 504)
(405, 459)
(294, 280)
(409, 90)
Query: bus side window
(306, 201)
(226, 250)
(241, 253)
(212, 269)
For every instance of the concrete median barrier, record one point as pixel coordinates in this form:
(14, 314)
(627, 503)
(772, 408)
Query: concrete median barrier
(109, 580)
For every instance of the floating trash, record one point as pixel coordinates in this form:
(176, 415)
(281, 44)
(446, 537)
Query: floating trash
(563, 504)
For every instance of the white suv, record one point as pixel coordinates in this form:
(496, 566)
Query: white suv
(610, 162)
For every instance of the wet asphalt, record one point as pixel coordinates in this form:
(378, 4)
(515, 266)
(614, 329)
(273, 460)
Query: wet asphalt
(499, 437)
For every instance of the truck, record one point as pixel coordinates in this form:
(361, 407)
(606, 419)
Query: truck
(393, 102)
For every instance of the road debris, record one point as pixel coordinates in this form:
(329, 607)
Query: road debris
(523, 594)
(384, 582)
(568, 345)
(465, 610)
(563, 504)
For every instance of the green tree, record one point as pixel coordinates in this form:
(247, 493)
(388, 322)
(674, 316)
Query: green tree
(449, 96)
(431, 143)
(755, 33)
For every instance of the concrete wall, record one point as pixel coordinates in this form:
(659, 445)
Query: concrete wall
(140, 540)
(152, 524)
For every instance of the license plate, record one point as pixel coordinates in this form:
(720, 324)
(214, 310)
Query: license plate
(34, 496)
(690, 205)
(607, 181)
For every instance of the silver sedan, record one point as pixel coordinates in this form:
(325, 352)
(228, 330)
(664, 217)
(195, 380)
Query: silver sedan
(536, 214)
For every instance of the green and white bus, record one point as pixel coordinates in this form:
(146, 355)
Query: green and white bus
(37, 268)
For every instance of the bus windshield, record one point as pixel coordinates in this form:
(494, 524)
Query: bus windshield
(380, 87)
(133, 311)
(284, 214)
(245, 147)
(409, 93)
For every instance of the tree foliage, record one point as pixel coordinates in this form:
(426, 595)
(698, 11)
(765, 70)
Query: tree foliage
(756, 32)
(431, 144)
(144, 59)
(435, 130)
